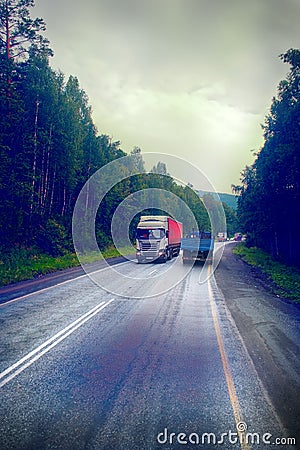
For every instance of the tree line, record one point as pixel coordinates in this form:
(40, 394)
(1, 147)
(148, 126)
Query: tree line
(269, 194)
(49, 145)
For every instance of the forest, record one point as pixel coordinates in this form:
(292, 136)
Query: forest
(269, 194)
(49, 147)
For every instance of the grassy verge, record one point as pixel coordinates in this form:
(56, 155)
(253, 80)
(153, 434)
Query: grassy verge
(24, 264)
(285, 279)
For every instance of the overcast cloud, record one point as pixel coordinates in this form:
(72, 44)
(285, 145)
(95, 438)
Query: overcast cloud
(193, 78)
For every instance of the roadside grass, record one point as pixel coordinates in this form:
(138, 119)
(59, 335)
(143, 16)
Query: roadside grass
(25, 264)
(285, 279)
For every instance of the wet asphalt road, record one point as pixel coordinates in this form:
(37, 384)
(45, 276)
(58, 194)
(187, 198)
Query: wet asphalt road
(270, 328)
(83, 368)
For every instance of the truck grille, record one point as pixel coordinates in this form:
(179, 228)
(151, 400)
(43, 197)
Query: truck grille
(150, 248)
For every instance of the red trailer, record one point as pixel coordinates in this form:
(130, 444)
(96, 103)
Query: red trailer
(174, 233)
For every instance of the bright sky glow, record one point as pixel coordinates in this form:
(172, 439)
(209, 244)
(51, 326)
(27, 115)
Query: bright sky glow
(192, 78)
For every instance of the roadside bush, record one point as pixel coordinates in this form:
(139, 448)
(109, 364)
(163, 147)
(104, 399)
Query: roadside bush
(52, 238)
(286, 279)
(103, 240)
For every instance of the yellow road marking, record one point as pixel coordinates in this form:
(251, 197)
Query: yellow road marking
(226, 367)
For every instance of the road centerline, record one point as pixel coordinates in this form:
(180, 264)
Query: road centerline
(27, 360)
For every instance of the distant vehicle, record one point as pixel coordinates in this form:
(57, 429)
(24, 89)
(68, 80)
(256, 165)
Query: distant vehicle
(197, 246)
(238, 237)
(157, 238)
(222, 236)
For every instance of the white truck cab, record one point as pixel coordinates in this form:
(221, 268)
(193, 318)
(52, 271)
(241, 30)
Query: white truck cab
(157, 238)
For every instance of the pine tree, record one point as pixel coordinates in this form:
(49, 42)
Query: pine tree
(270, 191)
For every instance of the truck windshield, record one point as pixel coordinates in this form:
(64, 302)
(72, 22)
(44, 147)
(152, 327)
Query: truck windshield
(156, 233)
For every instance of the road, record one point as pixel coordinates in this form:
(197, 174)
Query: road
(85, 368)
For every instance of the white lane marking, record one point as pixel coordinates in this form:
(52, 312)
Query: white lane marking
(14, 370)
(55, 285)
(153, 271)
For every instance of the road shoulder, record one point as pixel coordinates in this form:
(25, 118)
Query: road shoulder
(269, 328)
(26, 287)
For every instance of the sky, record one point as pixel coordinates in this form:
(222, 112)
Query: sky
(190, 78)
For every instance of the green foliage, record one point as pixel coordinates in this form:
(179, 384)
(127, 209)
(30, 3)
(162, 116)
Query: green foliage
(50, 147)
(232, 222)
(103, 240)
(19, 33)
(286, 279)
(52, 238)
(269, 196)
(23, 264)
